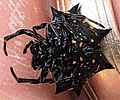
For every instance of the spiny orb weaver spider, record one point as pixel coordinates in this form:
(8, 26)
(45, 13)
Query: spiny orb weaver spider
(70, 50)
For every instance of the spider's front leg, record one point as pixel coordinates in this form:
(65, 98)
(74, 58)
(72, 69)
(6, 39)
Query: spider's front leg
(20, 32)
(42, 25)
(27, 46)
(32, 81)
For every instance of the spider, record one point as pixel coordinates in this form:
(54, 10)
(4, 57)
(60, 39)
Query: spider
(70, 50)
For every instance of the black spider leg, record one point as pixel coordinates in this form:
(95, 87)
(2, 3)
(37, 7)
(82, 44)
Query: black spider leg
(42, 25)
(40, 79)
(44, 72)
(32, 81)
(27, 46)
(20, 32)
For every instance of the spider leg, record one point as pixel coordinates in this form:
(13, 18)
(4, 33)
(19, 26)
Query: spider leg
(20, 32)
(27, 46)
(32, 81)
(42, 25)
(43, 75)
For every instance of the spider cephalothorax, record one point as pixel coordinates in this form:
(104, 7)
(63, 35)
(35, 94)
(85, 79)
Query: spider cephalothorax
(71, 50)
